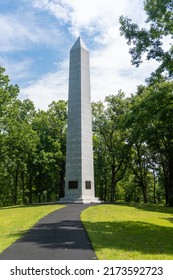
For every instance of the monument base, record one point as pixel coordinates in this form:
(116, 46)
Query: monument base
(82, 200)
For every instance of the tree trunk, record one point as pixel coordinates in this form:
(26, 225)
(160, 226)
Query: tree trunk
(168, 178)
(113, 183)
(105, 191)
(16, 185)
(23, 187)
(170, 183)
(30, 188)
(62, 184)
(154, 189)
(144, 192)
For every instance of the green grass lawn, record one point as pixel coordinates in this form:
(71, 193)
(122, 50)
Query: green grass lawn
(122, 232)
(15, 221)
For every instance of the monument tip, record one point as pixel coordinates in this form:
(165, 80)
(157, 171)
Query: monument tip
(79, 44)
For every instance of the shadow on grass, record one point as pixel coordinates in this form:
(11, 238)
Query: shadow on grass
(154, 208)
(53, 237)
(131, 236)
(26, 206)
(18, 234)
(128, 236)
(148, 207)
(168, 219)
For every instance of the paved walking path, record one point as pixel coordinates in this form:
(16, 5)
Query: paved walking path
(58, 236)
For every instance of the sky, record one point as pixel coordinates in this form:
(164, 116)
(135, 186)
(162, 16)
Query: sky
(37, 35)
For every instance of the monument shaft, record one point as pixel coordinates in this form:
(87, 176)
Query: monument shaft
(79, 155)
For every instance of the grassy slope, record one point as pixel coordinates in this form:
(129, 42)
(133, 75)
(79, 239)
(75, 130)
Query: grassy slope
(14, 221)
(130, 232)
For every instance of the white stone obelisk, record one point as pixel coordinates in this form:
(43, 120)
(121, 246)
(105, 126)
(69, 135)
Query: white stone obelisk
(79, 186)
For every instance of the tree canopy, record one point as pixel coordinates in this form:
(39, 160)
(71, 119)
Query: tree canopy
(132, 136)
(152, 39)
(32, 148)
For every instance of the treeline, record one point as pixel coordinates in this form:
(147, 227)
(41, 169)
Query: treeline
(133, 136)
(133, 147)
(32, 148)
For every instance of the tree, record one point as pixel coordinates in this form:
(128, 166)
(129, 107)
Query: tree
(8, 96)
(151, 121)
(108, 129)
(58, 113)
(150, 40)
(101, 157)
(18, 142)
(50, 127)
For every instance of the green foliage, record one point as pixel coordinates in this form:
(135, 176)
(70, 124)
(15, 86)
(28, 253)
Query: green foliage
(151, 119)
(50, 160)
(32, 150)
(111, 147)
(150, 40)
(133, 147)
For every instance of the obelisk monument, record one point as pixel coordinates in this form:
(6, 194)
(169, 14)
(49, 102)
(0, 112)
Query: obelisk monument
(79, 186)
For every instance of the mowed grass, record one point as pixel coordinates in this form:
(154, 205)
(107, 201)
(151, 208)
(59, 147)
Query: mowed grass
(15, 221)
(122, 232)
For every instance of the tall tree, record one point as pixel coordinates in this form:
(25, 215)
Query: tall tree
(19, 141)
(151, 120)
(58, 113)
(108, 127)
(150, 40)
(50, 160)
(101, 157)
(8, 96)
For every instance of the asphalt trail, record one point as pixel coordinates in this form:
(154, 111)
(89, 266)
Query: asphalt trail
(58, 236)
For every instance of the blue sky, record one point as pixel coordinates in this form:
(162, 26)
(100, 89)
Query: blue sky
(36, 37)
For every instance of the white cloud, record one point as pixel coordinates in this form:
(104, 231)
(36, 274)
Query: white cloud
(93, 16)
(51, 87)
(111, 69)
(12, 34)
(20, 32)
(57, 9)
(17, 70)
